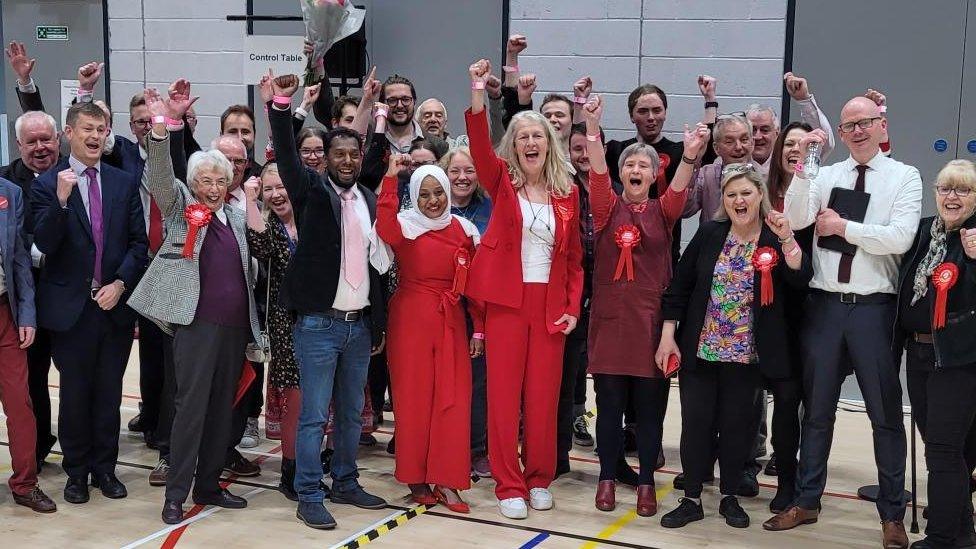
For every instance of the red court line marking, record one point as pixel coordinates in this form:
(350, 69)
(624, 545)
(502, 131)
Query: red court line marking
(133, 397)
(174, 536)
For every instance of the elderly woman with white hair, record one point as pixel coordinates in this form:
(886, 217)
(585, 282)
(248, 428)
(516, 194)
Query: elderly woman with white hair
(197, 289)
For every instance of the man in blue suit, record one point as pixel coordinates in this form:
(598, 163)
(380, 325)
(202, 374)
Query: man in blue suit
(17, 329)
(89, 225)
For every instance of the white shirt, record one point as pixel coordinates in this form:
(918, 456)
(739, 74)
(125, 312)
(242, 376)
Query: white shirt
(538, 238)
(887, 232)
(348, 298)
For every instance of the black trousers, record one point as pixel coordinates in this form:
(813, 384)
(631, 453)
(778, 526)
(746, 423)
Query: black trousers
(717, 397)
(167, 404)
(91, 358)
(207, 363)
(835, 336)
(249, 407)
(613, 393)
(378, 380)
(787, 397)
(951, 421)
(38, 372)
(151, 371)
(572, 388)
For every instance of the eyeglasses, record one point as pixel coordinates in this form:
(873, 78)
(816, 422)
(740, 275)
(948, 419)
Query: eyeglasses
(238, 161)
(308, 153)
(736, 114)
(40, 143)
(144, 122)
(945, 190)
(740, 167)
(864, 123)
(405, 100)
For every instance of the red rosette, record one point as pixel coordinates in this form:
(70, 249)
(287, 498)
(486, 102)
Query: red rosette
(462, 262)
(944, 277)
(196, 215)
(627, 237)
(764, 259)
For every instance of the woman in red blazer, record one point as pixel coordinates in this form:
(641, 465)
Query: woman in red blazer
(528, 272)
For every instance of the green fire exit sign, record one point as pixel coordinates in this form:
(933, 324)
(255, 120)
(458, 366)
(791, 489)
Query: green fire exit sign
(52, 32)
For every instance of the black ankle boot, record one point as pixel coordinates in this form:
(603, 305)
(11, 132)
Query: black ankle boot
(287, 483)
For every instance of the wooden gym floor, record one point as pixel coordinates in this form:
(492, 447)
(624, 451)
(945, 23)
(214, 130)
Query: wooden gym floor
(269, 520)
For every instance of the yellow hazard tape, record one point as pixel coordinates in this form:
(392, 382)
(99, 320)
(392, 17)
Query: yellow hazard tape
(385, 528)
(615, 527)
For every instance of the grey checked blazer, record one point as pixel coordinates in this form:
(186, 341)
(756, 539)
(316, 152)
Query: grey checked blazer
(169, 291)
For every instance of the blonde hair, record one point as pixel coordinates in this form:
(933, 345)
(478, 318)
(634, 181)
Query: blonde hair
(747, 171)
(445, 164)
(958, 173)
(270, 167)
(554, 171)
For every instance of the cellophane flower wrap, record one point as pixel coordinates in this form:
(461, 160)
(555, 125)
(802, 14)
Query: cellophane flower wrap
(327, 22)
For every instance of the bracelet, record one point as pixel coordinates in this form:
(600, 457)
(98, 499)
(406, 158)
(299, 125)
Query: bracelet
(787, 239)
(798, 168)
(173, 121)
(510, 68)
(478, 335)
(159, 119)
(580, 100)
(794, 252)
(477, 85)
(593, 138)
(711, 104)
(687, 160)
(282, 100)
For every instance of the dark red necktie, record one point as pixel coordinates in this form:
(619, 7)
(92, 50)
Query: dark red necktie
(155, 227)
(847, 260)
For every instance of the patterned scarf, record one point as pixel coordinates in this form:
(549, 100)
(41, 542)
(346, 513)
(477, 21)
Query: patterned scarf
(932, 259)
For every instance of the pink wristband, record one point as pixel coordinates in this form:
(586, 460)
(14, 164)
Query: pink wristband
(510, 68)
(580, 100)
(158, 119)
(381, 112)
(795, 251)
(477, 85)
(478, 335)
(883, 109)
(282, 100)
(592, 138)
(173, 121)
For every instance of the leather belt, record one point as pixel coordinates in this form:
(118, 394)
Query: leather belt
(922, 338)
(348, 316)
(852, 299)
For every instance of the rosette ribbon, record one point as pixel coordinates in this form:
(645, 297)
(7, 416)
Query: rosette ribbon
(764, 259)
(943, 278)
(197, 215)
(627, 237)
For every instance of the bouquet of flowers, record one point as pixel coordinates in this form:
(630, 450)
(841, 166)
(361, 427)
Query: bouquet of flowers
(327, 22)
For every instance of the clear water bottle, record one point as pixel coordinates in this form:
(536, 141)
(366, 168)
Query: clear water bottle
(811, 164)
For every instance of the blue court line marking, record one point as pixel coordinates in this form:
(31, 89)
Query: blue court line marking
(534, 541)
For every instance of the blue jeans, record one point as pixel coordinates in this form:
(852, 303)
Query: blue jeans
(333, 357)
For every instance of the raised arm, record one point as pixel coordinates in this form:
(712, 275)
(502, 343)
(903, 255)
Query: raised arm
(810, 113)
(489, 167)
(496, 109)
(674, 198)
(387, 225)
(602, 197)
(516, 44)
(293, 173)
(23, 65)
(371, 90)
(803, 198)
(159, 174)
(581, 92)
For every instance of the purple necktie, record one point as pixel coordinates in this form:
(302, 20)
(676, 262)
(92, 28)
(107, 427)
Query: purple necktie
(95, 215)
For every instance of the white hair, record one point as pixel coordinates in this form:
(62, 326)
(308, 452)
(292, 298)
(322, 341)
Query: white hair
(420, 107)
(34, 115)
(756, 108)
(208, 160)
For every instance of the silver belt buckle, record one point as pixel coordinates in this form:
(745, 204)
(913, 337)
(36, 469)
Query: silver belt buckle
(849, 299)
(350, 316)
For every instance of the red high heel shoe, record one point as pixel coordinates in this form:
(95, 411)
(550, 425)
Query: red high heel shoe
(460, 507)
(646, 500)
(606, 497)
(423, 499)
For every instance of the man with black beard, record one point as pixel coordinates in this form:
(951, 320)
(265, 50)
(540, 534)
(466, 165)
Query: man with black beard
(336, 298)
(401, 129)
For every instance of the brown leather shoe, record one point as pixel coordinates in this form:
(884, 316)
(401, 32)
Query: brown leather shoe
(646, 500)
(606, 496)
(893, 535)
(157, 477)
(36, 500)
(791, 518)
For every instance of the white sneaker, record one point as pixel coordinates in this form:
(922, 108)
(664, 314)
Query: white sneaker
(251, 438)
(540, 499)
(513, 508)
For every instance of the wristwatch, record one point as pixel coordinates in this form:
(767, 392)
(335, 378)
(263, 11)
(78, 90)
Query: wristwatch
(711, 104)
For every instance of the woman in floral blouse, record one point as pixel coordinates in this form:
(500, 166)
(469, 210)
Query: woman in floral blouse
(728, 295)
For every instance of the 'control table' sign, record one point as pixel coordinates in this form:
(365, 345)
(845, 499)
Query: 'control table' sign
(283, 54)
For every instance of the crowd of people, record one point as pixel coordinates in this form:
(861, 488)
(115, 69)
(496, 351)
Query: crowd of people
(476, 280)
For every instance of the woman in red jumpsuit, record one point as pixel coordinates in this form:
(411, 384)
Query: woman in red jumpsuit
(528, 272)
(428, 352)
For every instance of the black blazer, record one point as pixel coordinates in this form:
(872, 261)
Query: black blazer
(19, 173)
(954, 343)
(686, 299)
(126, 157)
(30, 101)
(64, 235)
(309, 286)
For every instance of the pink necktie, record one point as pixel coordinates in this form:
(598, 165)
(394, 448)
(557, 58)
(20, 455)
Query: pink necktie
(353, 246)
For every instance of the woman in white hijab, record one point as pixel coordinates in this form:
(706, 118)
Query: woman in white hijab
(427, 348)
